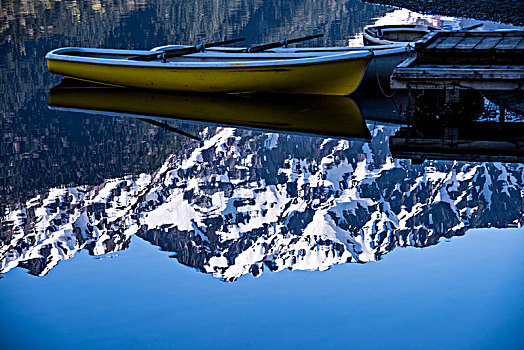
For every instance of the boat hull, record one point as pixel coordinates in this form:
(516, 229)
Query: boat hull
(340, 74)
(395, 34)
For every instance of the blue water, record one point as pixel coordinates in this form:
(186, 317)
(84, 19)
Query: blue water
(467, 294)
(464, 294)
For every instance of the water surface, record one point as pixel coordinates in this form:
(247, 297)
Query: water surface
(88, 201)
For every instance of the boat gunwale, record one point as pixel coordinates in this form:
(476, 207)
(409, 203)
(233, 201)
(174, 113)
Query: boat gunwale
(326, 49)
(377, 50)
(60, 55)
(386, 42)
(403, 27)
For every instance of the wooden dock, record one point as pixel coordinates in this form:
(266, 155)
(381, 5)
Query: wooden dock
(464, 60)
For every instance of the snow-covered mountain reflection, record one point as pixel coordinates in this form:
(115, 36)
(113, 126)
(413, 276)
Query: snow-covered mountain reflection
(241, 201)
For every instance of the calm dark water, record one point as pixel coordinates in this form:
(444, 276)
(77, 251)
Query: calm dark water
(107, 212)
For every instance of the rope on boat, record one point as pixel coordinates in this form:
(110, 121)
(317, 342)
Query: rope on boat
(378, 78)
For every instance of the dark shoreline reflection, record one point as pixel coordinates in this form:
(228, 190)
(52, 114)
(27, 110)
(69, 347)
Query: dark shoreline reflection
(66, 151)
(43, 149)
(462, 127)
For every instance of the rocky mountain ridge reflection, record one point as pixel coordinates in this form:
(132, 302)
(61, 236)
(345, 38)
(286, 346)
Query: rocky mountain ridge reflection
(242, 201)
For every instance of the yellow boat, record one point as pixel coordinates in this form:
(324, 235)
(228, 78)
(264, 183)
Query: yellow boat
(322, 73)
(334, 116)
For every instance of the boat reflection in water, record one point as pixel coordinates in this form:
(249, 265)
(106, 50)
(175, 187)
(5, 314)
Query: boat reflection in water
(241, 201)
(334, 116)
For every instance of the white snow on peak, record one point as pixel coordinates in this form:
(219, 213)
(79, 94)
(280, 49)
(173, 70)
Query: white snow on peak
(333, 206)
(271, 141)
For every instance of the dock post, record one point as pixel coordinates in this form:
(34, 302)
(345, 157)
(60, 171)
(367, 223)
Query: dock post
(502, 115)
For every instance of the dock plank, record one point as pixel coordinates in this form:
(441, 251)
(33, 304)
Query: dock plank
(468, 43)
(488, 43)
(508, 43)
(520, 45)
(435, 43)
(456, 72)
(449, 43)
(495, 33)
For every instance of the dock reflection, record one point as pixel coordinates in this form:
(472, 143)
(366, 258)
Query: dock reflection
(460, 127)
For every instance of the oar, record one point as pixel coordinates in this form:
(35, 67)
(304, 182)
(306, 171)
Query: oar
(182, 51)
(475, 26)
(286, 42)
(168, 127)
